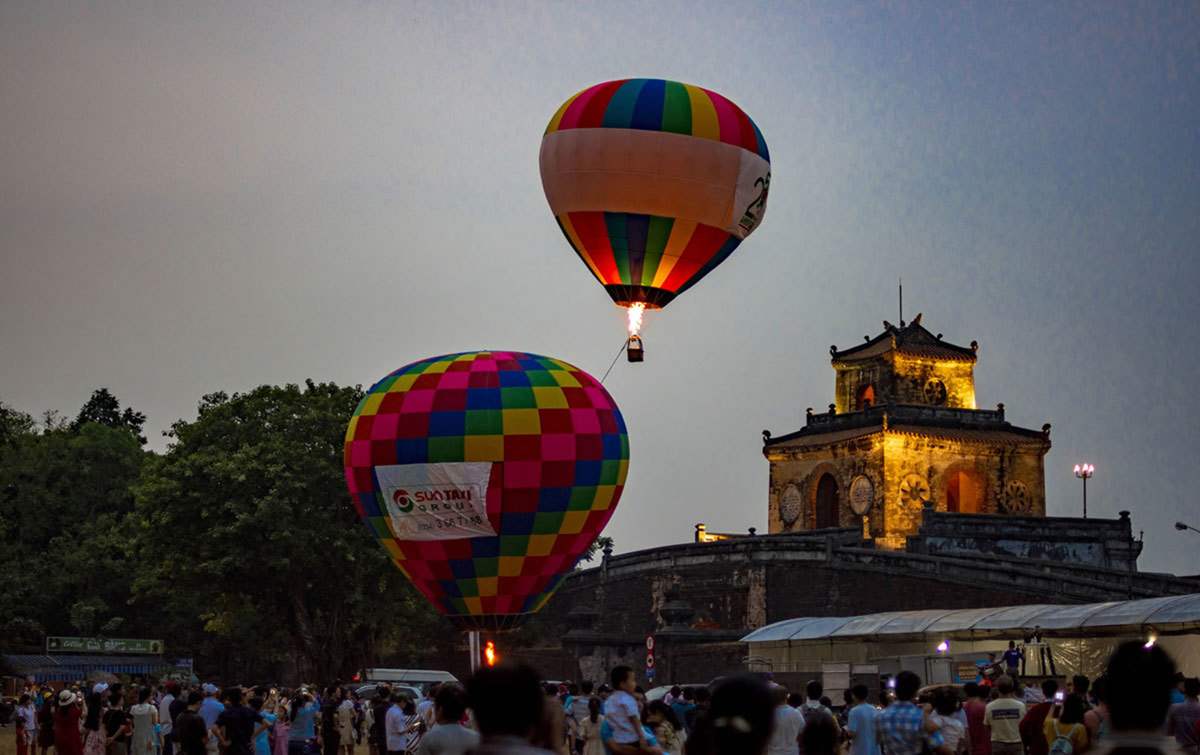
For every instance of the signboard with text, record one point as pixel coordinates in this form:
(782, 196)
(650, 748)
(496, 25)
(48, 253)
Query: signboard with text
(103, 645)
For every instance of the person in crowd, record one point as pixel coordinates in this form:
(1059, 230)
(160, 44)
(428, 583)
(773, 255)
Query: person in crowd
(945, 717)
(238, 725)
(262, 733)
(1080, 685)
(144, 716)
(45, 723)
(795, 699)
(283, 727)
(346, 724)
(813, 708)
(589, 729)
(902, 728)
(581, 706)
(399, 723)
(738, 721)
(21, 725)
(1177, 693)
(165, 718)
(1063, 732)
(67, 740)
(1096, 718)
(425, 706)
(377, 716)
(302, 729)
(174, 709)
(191, 731)
(1012, 660)
(703, 702)
(118, 726)
(508, 703)
(860, 723)
(820, 737)
(1003, 719)
(26, 716)
(209, 710)
(1138, 694)
(665, 726)
(331, 734)
(552, 731)
(788, 724)
(1031, 727)
(684, 705)
(1183, 719)
(95, 740)
(448, 736)
(621, 710)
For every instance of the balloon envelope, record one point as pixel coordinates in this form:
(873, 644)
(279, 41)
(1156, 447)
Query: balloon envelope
(654, 183)
(486, 475)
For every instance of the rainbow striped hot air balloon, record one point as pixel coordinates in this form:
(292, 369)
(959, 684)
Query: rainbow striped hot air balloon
(654, 183)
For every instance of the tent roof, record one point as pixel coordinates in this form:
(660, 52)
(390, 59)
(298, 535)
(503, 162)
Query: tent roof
(1174, 613)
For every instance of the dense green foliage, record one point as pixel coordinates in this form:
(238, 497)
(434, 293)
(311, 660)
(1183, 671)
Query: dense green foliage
(238, 545)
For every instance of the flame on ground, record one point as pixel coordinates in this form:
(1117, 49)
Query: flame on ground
(635, 317)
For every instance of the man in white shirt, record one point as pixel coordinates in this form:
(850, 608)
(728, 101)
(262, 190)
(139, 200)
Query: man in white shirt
(789, 724)
(621, 709)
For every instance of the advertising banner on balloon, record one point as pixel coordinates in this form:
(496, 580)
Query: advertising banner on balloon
(443, 501)
(750, 202)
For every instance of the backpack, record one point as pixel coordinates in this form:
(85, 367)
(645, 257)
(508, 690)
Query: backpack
(1062, 744)
(813, 714)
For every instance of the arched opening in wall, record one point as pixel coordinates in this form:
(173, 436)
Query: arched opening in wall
(827, 502)
(964, 492)
(864, 398)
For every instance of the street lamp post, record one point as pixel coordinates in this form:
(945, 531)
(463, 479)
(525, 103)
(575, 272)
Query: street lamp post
(1083, 472)
(1185, 527)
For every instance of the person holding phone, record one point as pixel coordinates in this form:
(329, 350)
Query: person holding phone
(1032, 733)
(1066, 734)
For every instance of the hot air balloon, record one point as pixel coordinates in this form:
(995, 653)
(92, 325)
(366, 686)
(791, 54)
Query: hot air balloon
(654, 183)
(486, 475)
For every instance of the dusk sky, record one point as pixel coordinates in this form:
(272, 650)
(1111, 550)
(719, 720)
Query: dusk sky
(207, 196)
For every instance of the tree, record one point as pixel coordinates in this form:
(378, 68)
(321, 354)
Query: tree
(103, 408)
(250, 547)
(64, 495)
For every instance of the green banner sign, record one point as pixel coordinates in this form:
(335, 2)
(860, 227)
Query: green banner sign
(103, 645)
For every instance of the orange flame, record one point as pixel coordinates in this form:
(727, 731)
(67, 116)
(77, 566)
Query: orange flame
(489, 653)
(635, 317)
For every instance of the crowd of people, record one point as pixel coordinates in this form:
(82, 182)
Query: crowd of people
(1140, 706)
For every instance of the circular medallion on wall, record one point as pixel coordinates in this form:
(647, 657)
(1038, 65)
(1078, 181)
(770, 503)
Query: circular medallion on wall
(914, 491)
(862, 495)
(789, 505)
(1017, 499)
(935, 391)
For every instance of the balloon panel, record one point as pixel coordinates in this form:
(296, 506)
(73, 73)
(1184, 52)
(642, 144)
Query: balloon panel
(486, 475)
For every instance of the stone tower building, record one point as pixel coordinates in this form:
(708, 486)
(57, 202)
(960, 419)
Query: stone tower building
(903, 434)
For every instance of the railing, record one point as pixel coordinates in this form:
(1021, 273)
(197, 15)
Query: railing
(874, 414)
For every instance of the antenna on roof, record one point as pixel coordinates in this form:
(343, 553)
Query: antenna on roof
(901, 302)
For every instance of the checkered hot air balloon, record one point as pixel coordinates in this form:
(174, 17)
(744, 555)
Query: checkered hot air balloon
(486, 475)
(654, 183)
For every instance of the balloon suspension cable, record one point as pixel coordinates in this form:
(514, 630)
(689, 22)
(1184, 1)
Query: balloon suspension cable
(616, 356)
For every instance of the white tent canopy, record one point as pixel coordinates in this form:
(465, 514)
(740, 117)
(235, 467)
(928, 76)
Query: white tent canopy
(1167, 615)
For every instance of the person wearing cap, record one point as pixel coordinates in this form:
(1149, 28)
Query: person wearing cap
(210, 710)
(67, 740)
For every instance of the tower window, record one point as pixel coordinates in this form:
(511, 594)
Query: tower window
(864, 398)
(827, 502)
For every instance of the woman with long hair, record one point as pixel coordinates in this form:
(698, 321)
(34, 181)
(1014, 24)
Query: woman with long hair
(94, 737)
(1067, 729)
(589, 729)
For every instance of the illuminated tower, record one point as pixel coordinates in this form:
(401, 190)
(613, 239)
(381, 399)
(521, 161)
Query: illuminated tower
(903, 434)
